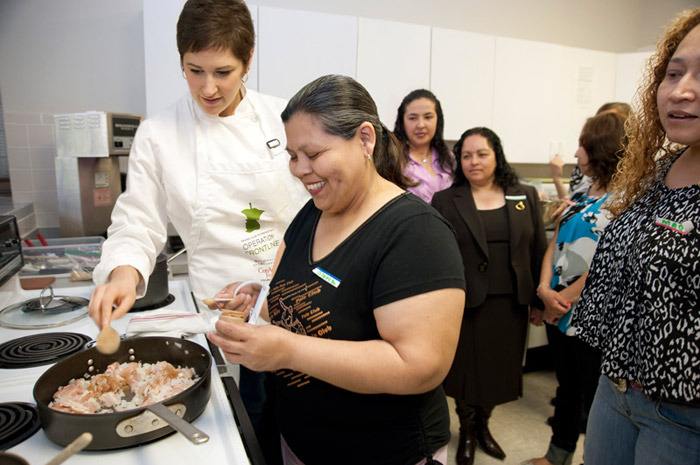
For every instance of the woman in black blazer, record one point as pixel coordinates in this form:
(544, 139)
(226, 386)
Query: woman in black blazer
(501, 238)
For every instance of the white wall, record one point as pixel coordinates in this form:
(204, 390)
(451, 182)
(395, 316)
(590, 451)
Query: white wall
(72, 55)
(57, 57)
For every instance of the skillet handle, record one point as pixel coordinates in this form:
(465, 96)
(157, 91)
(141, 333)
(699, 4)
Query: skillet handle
(195, 435)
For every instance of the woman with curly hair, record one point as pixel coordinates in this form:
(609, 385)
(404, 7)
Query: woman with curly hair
(426, 160)
(501, 238)
(641, 302)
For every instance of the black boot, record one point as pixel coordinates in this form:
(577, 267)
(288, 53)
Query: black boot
(483, 435)
(467, 434)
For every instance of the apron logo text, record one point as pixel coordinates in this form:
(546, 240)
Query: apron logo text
(264, 241)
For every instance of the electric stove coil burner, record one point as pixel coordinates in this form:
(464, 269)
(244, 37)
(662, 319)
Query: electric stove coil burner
(163, 303)
(40, 349)
(18, 421)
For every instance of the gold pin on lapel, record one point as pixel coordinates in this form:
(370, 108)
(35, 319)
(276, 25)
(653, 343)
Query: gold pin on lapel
(520, 205)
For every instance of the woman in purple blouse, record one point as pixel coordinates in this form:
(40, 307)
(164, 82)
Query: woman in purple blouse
(427, 160)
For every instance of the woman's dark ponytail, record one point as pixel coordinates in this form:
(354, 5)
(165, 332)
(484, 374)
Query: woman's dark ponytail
(387, 158)
(341, 105)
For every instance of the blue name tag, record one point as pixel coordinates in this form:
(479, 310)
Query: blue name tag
(326, 276)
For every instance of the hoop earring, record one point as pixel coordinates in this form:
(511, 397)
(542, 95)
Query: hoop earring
(245, 78)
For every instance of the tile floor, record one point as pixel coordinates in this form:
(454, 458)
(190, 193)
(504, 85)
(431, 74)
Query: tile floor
(519, 426)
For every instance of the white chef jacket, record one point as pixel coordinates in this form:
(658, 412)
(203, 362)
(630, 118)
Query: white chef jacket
(223, 182)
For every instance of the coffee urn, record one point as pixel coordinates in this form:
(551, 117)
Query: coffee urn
(88, 177)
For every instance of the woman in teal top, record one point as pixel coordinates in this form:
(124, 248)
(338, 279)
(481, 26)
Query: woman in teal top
(564, 271)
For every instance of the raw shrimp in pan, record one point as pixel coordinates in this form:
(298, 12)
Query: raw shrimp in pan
(122, 387)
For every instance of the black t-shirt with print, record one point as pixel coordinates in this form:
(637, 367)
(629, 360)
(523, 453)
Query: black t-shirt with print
(403, 250)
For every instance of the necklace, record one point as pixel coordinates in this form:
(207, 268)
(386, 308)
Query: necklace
(423, 159)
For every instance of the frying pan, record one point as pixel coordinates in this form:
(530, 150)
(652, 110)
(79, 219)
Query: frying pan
(130, 427)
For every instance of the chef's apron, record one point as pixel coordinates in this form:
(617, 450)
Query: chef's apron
(246, 198)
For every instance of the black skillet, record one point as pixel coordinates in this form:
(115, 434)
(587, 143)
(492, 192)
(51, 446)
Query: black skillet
(131, 427)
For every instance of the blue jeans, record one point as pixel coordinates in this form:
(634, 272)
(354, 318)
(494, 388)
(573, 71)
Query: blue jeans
(629, 428)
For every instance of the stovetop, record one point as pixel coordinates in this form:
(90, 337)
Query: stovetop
(225, 444)
(40, 349)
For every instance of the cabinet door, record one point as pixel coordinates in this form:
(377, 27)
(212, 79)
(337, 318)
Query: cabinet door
(587, 82)
(462, 78)
(164, 82)
(296, 47)
(392, 60)
(630, 70)
(527, 82)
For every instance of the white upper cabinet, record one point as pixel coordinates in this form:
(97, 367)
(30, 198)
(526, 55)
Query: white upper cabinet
(587, 82)
(526, 94)
(253, 72)
(392, 60)
(296, 47)
(462, 78)
(535, 95)
(164, 81)
(630, 69)
(543, 95)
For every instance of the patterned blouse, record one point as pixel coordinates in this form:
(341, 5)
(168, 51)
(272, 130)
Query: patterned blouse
(580, 228)
(641, 303)
(575, 180)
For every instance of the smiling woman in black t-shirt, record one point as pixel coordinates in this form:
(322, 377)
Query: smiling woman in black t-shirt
(366, 299)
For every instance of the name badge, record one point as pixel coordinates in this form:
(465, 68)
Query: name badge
(681, 228)
(326, 276)
(517, 198)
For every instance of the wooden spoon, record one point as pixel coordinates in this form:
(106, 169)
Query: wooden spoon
(76, 446)
(108, 340)
(212, 301)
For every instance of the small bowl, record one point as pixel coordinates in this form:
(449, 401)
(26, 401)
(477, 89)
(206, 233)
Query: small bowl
(7, 458)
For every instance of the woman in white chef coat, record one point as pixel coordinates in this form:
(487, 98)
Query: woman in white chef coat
(214, 164)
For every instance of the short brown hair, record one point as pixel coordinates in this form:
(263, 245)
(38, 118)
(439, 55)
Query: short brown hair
(621, 107)
(603, 138)
(218, 24)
